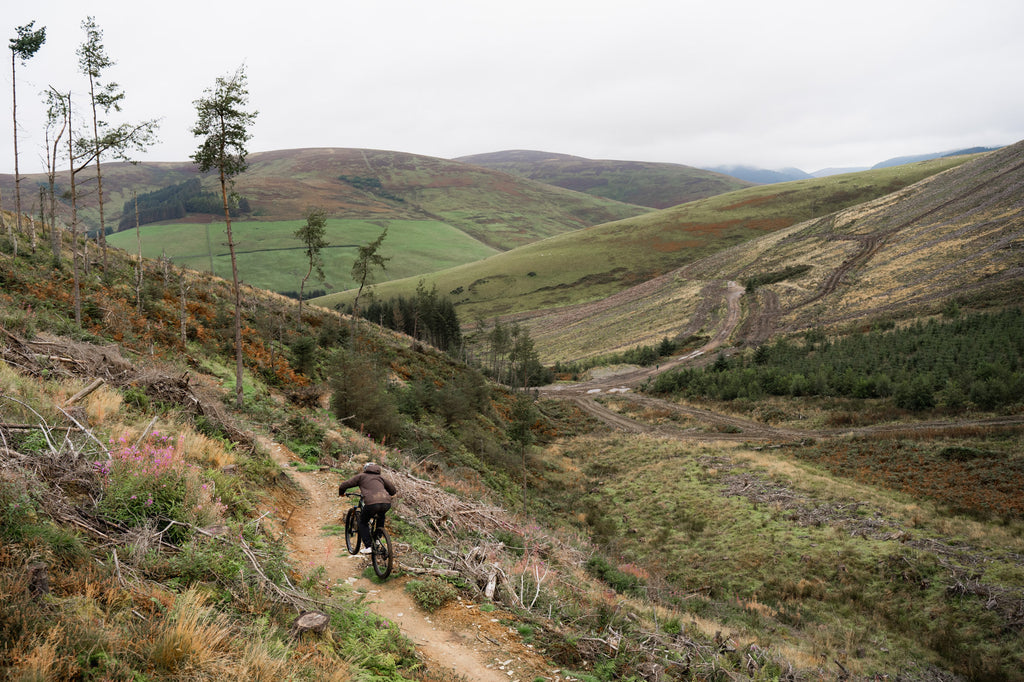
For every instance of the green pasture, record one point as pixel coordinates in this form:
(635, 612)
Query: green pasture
(271, 257)
(596, 262)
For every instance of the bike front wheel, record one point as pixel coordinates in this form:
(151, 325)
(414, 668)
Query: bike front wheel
(352, 530)
(383, 559)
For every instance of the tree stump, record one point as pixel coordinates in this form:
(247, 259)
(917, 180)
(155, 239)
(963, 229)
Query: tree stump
(310, 621)
(38, 579)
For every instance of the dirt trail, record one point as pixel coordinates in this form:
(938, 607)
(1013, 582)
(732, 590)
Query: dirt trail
(458, 639)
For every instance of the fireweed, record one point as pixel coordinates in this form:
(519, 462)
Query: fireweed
(150, 482)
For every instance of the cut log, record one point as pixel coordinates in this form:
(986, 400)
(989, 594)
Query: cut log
(84, 392)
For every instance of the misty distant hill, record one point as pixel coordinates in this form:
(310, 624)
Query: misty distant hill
(762, 176)
(902, 160)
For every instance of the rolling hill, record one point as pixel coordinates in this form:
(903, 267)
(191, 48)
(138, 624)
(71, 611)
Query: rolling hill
(592, 264)
(658, 185)
(495, 208)
(953, 236)
(439, 213)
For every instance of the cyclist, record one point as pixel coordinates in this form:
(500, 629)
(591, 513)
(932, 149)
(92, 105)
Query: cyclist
(376, 491)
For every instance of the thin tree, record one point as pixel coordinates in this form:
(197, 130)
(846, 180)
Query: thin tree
(92, 61)
(312, 235)
(56, 126)
(362, 269)
(520, 431)
(81, 153)
(223, 124)
(23, 47)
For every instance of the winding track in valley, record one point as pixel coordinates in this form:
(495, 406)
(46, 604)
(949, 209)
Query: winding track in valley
(722, 426)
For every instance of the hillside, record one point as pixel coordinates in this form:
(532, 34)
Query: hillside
(151, 530)
(952, 236)
(657, 185)
(595, 263)
(494, 208)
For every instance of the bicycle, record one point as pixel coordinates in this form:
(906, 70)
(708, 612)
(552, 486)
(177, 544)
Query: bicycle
(382, 556)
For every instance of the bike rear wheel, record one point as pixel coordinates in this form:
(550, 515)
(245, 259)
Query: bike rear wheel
(352, 530)
(383, 559)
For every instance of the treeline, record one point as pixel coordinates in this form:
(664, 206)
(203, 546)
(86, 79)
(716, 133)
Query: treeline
(174, 202)
(973, 361)
(425, 317)
(505, 353)
(645, 356)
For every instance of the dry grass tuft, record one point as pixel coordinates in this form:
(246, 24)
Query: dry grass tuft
(42, 662)
(260, 665)
(190, 637)
(206, 451)
(103, 404)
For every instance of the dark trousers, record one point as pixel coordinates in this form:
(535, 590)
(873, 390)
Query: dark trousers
(376, 511)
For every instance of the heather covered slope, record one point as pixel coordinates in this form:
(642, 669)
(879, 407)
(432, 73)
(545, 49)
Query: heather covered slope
(658, 185)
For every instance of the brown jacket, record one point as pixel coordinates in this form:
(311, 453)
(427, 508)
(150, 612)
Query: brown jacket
(375, 488)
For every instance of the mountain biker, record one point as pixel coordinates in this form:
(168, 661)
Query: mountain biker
(376, 491)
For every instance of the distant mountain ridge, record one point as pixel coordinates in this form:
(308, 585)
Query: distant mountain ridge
(764, 176)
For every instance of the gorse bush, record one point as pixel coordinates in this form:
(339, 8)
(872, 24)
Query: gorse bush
(150, 481)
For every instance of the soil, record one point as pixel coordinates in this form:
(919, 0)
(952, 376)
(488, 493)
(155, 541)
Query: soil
(457, 642)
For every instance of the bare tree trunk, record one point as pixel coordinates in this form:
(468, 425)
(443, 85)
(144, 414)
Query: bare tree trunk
(101, 238)
(138, 262)
(239, 395)
(3, 220)
(74, 227)
(184, 317)
(17, 176)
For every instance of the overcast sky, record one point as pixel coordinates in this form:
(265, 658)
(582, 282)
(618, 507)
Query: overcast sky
(808, 84)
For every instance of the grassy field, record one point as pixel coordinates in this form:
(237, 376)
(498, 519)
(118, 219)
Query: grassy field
(271, 257)
(593, 263)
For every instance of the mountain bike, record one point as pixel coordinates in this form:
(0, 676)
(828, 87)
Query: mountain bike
(382, 556)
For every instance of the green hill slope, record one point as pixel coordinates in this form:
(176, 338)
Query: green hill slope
(271, 257)
(595, 263)
(658, 185)
(496, 209)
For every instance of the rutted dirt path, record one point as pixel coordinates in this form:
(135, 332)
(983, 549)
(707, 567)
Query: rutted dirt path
(459, 639)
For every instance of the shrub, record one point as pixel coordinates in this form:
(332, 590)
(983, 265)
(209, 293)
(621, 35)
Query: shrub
(620, 581)
(359, 396)
(149, 480)
(431, 593)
